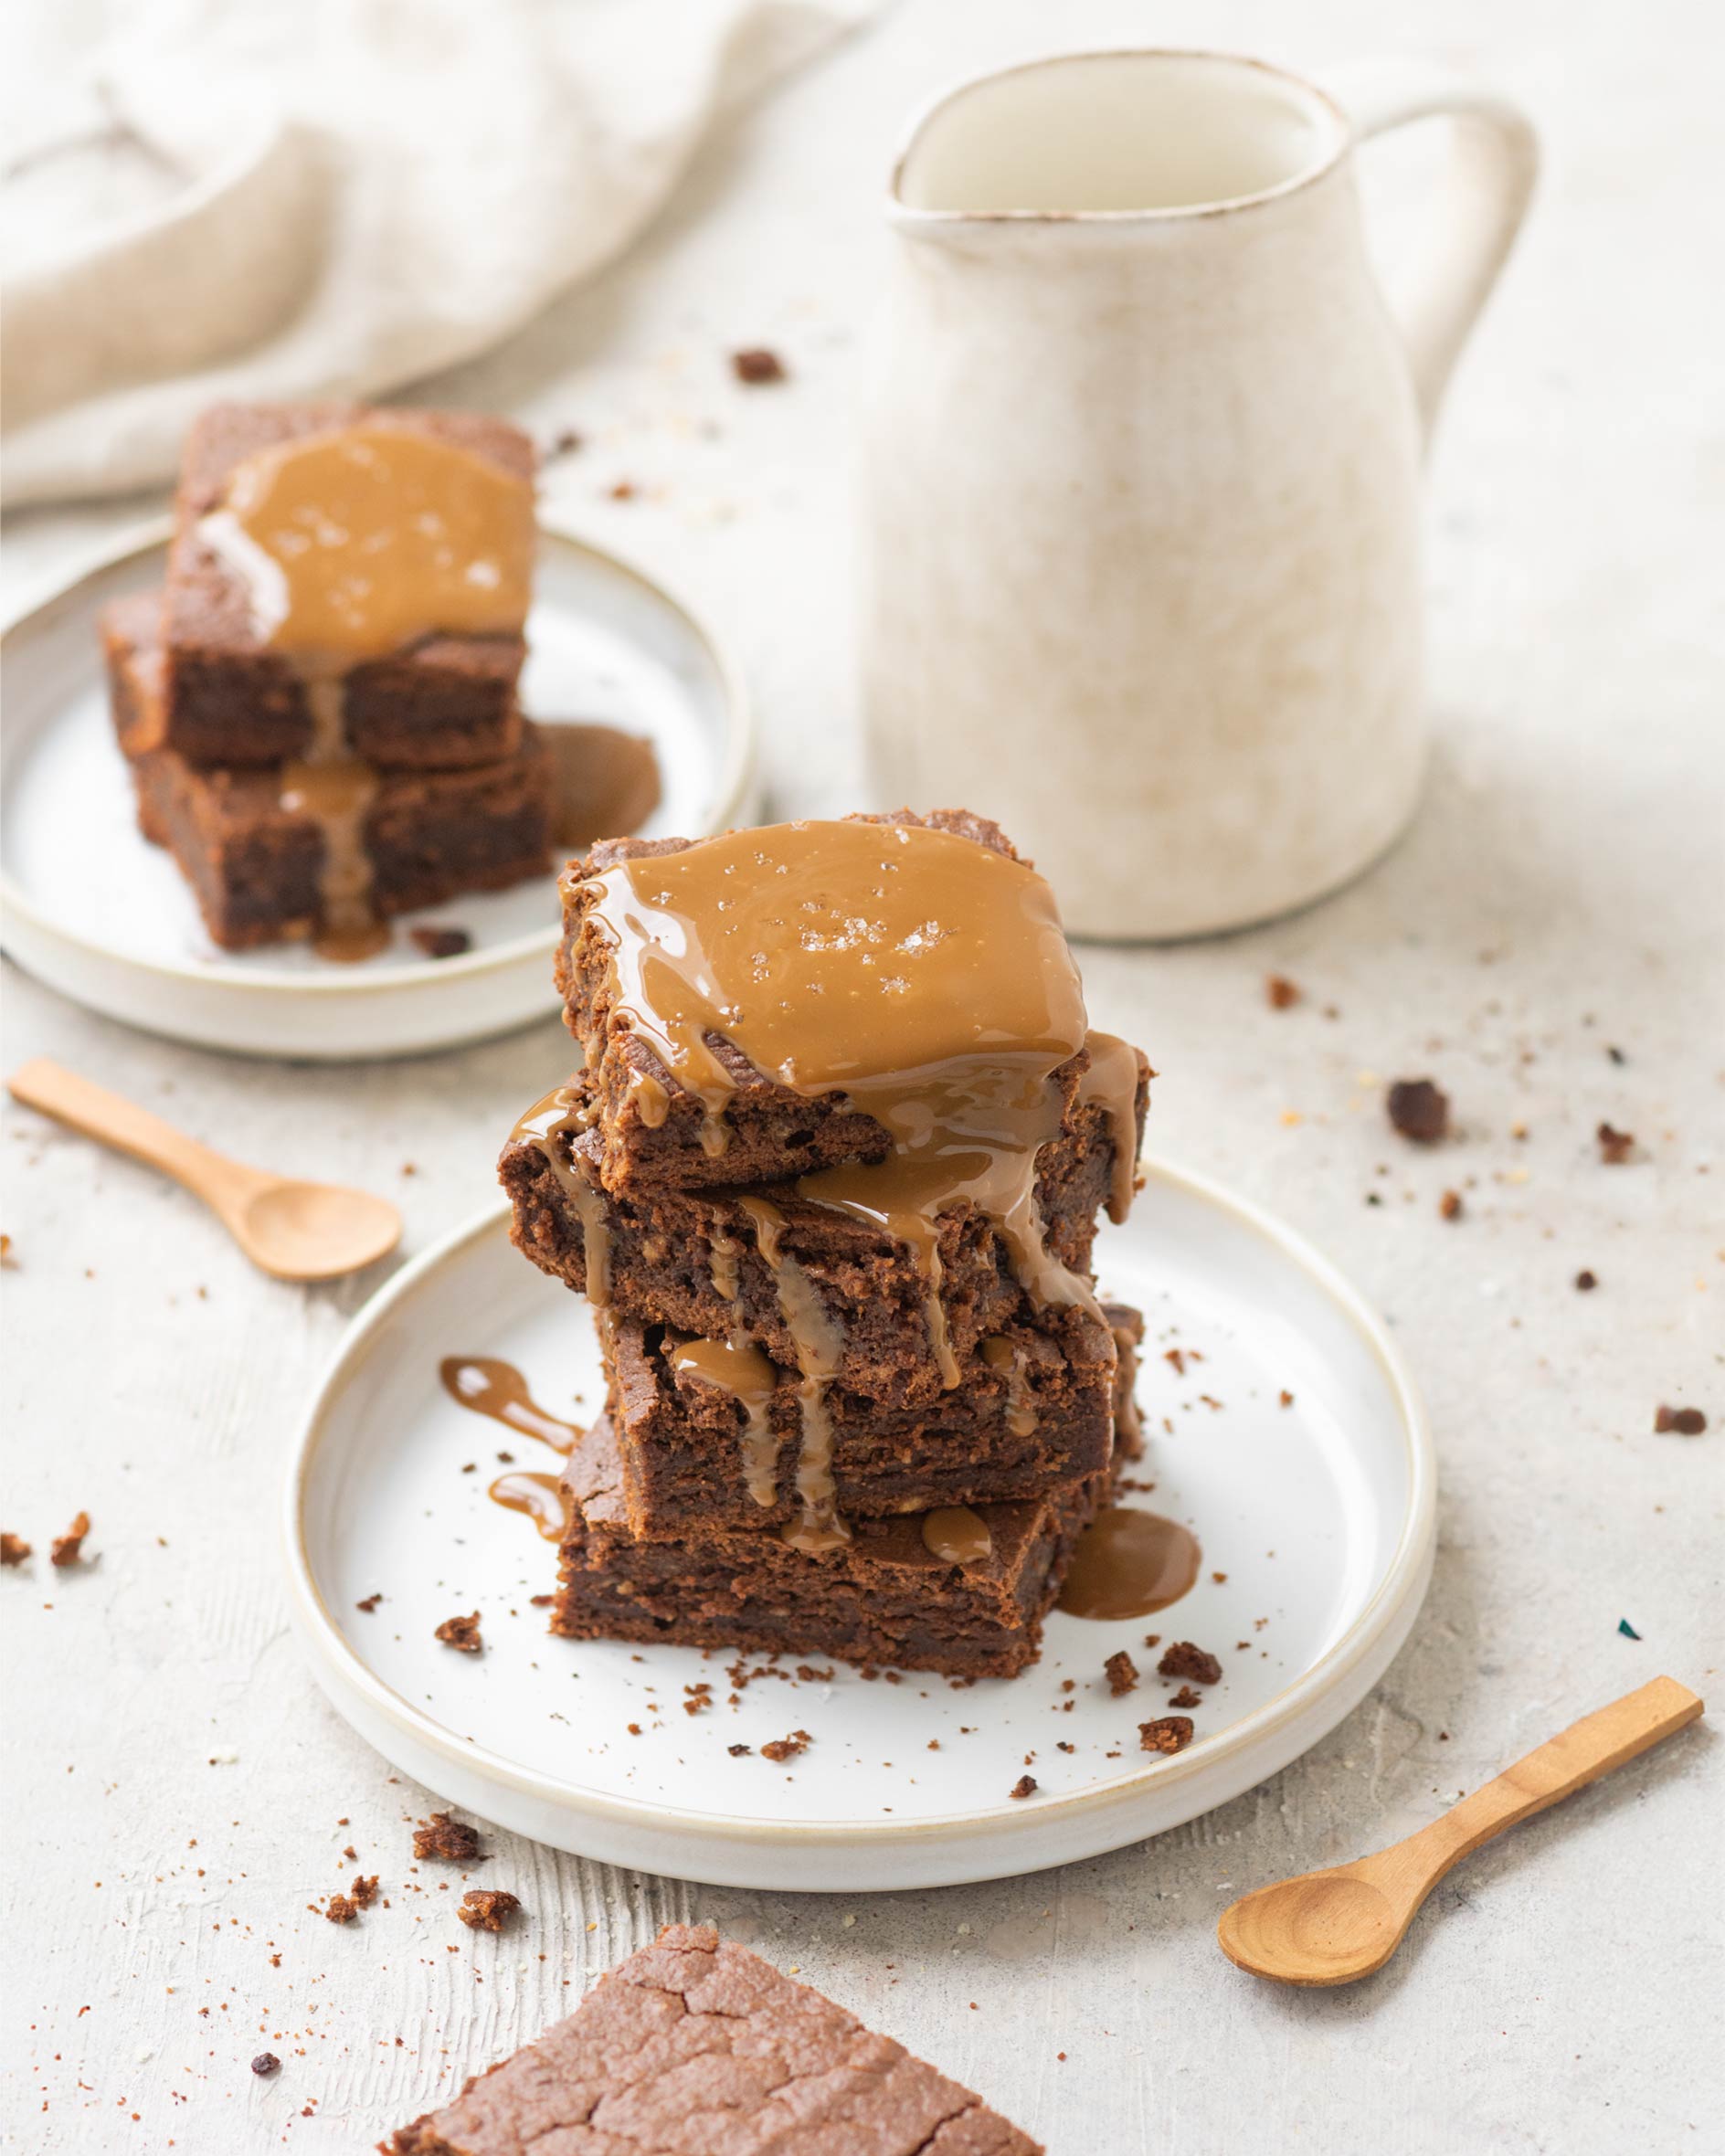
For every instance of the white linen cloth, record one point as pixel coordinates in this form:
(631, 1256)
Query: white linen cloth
(287, 199)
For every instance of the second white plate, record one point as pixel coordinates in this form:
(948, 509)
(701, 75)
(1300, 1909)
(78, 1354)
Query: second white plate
(1315, 1513)
(106, 917)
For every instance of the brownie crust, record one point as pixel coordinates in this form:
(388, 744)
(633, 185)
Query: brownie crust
(883, 1597)
(1024, 1419)
(691, 2048)
(229, 700)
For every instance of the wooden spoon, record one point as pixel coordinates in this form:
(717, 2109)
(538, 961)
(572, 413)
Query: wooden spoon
(1332, 1927)
(295, 1231)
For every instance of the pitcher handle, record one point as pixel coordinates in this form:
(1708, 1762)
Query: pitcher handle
(1495, 159)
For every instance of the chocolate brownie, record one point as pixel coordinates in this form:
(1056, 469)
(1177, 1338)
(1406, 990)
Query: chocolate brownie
(713, 1262)
(230, 699)
(886, 1595)
(655, 1129)
(690, 2049)
(710, 1433)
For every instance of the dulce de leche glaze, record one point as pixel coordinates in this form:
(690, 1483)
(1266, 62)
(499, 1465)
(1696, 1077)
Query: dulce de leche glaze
(352, 544)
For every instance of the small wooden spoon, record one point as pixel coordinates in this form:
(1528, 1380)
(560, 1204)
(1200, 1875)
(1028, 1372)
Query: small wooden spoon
(1331, 1927)
(295, 1231)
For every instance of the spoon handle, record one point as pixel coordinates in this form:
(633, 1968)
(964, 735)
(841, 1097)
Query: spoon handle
(53, 1090)
(1580, 1754)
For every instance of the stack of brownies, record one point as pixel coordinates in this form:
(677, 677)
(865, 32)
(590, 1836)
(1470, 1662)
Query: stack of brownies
(319, 707)
(830, 1176)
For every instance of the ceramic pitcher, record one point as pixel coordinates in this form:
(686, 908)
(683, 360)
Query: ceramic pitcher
(1142, 474)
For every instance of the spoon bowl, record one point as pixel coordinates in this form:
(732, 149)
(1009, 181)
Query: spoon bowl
(1328, 1927)
(297, 1231)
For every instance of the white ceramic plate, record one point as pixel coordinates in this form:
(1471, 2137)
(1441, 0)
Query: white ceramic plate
(1320, 1514)
(107, 918)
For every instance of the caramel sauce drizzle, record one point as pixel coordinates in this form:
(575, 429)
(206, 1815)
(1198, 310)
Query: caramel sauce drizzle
(1000, 1354)
(540, 1497)
(352, 544)
(485, 1386)
(607, 782)
(924, 977)
(739, 1367)
(1130, 1563)
(548, 1121)
(958, 1535)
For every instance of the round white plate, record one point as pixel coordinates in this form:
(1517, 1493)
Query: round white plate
(107, 919)
(1316, 1517)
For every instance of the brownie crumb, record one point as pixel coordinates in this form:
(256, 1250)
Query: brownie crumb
(1682, 1422)
(1614, 1146)
(1168, 1733)
(1419, 1110)
(449, 1839)
(566, 442)
(1025, 1786)
(364, 1891)
(1449, 1206)
(265, 2064)
(1184, 1660)
(342, 1908)
(739, 1751)
(487, 1908)
(787, 1748)
(1185, 1696)
(1121, 1671)
(370, 1602)
(1285, 1398)
(1280, 993)
(461, 1633)
(1152, 1639)
(758, 368)
(441, 943)
(13, 1549)
(1587, 1281)
(68, 1549)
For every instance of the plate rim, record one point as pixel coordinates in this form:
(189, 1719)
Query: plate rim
(737, 776)
(1408, 1570)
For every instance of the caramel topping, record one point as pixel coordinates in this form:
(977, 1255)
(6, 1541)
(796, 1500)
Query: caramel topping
(361, 540)
(540, 1497)
(1128, 1563)
(544, 1124)
(607, 783)
(486, 1387)
(1112, 1080)
(958, 1535)
(742, 1371)
(1020, 1406)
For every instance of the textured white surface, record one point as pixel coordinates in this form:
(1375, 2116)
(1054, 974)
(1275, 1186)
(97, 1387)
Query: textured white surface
(1559, 896)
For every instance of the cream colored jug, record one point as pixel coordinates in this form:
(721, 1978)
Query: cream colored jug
(1142, 480)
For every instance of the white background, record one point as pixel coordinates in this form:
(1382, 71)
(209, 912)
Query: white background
(1559, 894)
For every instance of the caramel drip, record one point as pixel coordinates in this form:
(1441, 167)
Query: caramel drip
(742, 1371)
(722, 1265)
(1004, 1355)
(1129, 1417)
(336, 791)
(547, 1121)
(486, 1387)
(653, 1103)
(1112, 1080)
(1130, 1563)
(958, 1535)
(607, 783)
(540, 1497)
(820, 1351)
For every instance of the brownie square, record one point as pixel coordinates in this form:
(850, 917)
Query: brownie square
(695, 1454)
(694, 1260)
(229, 699)
(691, 2048)
(255, 867)
(883, 1596)
(653, 1127)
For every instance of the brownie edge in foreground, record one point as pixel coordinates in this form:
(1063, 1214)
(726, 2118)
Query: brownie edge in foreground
(690, 2049)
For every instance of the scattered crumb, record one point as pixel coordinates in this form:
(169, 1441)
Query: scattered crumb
(450, 1840)
(67, 1549)
(1418, 1110)
(441, 943)
(1184, 1660)
(1152, 1639)
(1122, 1674)
(565, 442)
(370, 1602)
(787, 1748)
(739, 1751)
(342, 1910)
(1025, 1786)
(1220, 1578)
(1280, 993)
(13, 1549)
(1185, 1696)
(758, 368)
(487, 1908)
(1168, 1733)
(1614, 1146)
(8, 1261)
(462, 1633)
(624, 491)
(1682, 1422)
(1587, 1281)
(541, 1602)
(1449, 1206)
(265, 2064)
(1286, 1399)
(364, 1891)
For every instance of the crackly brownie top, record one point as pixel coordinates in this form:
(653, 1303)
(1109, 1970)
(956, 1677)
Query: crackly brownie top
(690, 2049)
